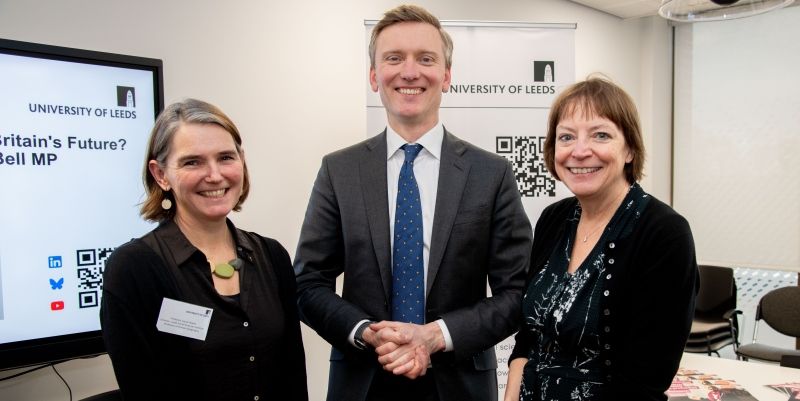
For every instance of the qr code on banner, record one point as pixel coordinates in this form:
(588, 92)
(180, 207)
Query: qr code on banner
(527, 159)
(91, 264)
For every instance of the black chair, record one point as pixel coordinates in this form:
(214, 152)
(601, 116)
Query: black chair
(113, 395)
(715, 324)
(780, 309)
(791, 361)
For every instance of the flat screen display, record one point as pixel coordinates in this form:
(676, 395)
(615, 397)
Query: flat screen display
(73, 131)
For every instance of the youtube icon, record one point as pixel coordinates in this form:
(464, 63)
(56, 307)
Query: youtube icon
(57, 305)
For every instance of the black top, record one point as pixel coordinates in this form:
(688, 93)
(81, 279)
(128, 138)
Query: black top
(616, 329)
(253, 349)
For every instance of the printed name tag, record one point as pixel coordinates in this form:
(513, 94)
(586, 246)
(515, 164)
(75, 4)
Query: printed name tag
(184, 319)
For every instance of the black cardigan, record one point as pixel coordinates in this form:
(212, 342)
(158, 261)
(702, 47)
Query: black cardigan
(651, 301)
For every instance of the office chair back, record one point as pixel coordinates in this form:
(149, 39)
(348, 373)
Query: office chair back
(717, 293)
(715, 324)
(780, 309)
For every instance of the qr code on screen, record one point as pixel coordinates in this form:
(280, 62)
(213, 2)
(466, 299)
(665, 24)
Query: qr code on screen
(91, 264)
(527, 159)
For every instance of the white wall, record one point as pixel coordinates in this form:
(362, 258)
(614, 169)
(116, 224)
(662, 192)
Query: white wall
(737, 122)
(291, 75)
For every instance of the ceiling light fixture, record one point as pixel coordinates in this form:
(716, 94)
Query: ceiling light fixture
(715, 10)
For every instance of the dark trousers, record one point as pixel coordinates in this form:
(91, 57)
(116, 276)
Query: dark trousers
(388, 387)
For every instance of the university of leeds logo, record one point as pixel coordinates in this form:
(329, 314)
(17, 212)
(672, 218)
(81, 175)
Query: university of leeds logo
(126, 96)
(544, 71)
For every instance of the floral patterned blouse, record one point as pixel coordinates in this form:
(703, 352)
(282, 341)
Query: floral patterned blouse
(562, 312)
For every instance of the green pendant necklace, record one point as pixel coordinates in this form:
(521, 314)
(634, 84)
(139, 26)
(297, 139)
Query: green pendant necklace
(226, 270)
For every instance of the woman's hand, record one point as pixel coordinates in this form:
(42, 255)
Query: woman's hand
(514, 379)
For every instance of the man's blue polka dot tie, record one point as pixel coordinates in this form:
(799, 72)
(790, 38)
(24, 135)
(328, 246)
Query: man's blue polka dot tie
(408, 272)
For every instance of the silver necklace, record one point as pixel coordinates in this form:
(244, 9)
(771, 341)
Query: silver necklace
(586, 237)
(605, 222)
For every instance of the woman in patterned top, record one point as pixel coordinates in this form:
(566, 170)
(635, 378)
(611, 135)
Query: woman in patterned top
(613, 276)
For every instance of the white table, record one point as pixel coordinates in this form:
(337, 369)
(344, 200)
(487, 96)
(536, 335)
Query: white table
(752, 376)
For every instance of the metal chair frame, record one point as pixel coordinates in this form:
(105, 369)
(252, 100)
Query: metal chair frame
(780, 310)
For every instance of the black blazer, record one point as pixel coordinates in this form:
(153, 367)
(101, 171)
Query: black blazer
(480, 231)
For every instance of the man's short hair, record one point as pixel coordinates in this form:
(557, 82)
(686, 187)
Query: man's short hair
(410, 13)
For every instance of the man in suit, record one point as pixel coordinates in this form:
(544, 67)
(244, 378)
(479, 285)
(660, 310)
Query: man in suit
(413, 320)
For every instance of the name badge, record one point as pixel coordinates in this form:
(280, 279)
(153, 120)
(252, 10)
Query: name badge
(184, 319)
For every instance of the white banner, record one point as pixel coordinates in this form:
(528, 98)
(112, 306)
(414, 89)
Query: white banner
(504, 78)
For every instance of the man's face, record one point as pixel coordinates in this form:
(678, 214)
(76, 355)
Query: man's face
(410, 73)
